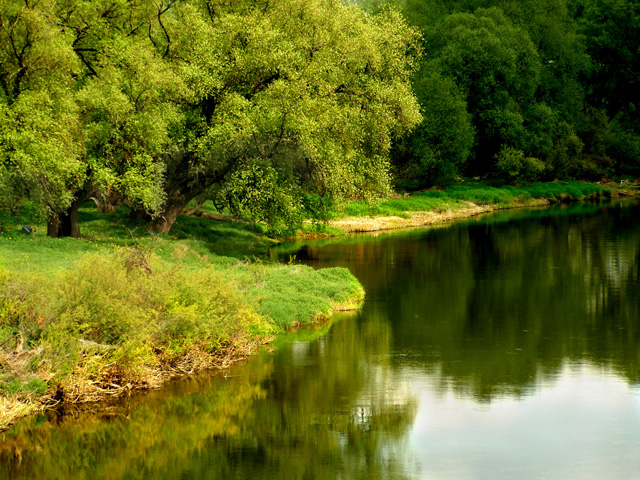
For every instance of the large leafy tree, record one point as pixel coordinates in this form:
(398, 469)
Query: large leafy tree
(41, 138)
(86, 106)
(128, 98)
(479, 87)
(612, 32)
(534, 104)
(497, 67)
(438, 149)
(285, 95)
(153, 103)
(551, 27)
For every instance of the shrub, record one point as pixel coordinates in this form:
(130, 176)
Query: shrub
(133, 302)
(513, 167)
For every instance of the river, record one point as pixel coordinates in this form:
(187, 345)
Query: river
(500, 347)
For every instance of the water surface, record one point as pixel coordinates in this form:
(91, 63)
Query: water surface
(506, 346)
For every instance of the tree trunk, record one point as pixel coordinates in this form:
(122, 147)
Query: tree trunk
(65, 224)
(105, 206)
(173, 207)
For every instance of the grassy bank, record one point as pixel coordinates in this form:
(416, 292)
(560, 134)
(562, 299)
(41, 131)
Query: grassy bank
(459, 201)
(121, 309)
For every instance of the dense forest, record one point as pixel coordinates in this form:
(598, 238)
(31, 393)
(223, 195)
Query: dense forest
(271, 108)
(523, 90)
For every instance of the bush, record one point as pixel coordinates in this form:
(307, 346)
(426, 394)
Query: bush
(513, 167)
(566, 153)
(624, 146)
(131, 301)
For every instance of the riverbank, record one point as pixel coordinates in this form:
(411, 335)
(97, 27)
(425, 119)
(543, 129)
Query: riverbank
(121, 310)
(423, 219)
(436, 206)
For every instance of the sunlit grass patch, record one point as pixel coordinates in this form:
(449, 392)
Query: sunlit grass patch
(297, 294)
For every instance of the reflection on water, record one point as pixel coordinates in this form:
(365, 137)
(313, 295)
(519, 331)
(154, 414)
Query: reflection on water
(495, 302)
(309, 411)
(584, 423)
(501, 347)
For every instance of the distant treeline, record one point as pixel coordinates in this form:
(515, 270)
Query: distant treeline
(523, 89)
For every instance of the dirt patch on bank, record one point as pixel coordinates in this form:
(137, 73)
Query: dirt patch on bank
(421, 219)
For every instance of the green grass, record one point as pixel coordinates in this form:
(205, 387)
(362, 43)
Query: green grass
(455, 197)
(105, 233)
(281, 299)
(120, 305)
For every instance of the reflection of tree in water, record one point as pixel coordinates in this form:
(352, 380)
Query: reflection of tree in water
(284, 416)
(322, 417)
(495, 304)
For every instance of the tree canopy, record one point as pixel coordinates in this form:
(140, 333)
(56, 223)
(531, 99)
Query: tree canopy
(549, 85)
(156, 103)
(260, 104)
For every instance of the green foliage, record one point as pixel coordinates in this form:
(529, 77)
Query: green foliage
(611, 123)
(257, 104)
(153, 104)
(497, 68)
(261, 193)
(513, 167)
(566, 153)
(14, 387)
(317, 207)
(596, 135)
(439, 147)
(624, 146)
(86, 104)
(561, 47)
(610, 28)
(129, 304)
(40, 132)
(550, 78)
